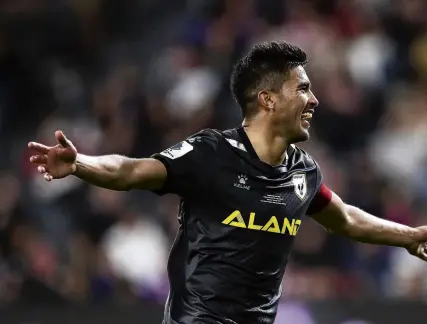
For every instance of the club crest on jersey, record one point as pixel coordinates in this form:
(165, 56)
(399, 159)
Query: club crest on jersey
(242, 182)
(177, 150)
(300, 185)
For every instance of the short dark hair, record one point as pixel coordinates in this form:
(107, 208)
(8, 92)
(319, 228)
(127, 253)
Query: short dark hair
(265, 66)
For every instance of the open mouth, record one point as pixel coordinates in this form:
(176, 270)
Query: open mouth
(307, 116)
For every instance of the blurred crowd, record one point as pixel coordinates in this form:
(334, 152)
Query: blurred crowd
(133, 77)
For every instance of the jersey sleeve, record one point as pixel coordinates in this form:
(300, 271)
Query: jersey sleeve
(320, 200)
(323, 194)
(189, 164)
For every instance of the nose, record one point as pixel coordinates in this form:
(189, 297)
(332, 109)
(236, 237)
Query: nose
(313, 100)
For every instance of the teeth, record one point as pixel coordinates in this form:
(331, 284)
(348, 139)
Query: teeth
(307, 115)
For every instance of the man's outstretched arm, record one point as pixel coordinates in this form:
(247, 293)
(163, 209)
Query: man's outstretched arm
(118, 172)
(350, 221)
(113, 172)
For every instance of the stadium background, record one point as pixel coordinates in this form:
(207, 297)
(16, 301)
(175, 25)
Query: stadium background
(133, 77)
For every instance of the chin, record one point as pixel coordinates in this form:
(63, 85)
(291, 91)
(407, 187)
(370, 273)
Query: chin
(302, 136)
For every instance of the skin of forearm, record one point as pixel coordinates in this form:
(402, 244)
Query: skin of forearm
(366, 228)
(107, 171)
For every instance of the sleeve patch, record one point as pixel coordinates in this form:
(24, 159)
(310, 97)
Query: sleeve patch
(177, 150)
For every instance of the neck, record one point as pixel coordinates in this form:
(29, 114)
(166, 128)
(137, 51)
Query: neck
(269, 145)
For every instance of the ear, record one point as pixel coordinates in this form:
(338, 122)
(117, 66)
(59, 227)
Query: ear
(267, 99)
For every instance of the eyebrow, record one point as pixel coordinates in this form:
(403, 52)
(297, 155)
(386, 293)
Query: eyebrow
(304, 84)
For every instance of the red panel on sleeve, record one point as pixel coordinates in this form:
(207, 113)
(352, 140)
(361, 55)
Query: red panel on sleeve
(322, 199)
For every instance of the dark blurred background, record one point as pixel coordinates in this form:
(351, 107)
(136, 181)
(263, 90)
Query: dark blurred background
(133, 77)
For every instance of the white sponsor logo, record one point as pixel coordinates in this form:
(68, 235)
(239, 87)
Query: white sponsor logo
(177, 150)
(242, 182)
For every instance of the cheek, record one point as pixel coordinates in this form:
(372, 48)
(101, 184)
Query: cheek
(291, 108)
(301, 103)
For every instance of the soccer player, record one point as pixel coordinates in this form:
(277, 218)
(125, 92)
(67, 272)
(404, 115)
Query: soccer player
(244, 194)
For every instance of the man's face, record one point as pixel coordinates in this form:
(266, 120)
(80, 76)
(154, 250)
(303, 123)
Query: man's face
(294, 106)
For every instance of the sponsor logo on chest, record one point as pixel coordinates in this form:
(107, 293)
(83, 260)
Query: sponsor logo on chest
(273, 224)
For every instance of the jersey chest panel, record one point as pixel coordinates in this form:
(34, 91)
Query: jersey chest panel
(249, 199)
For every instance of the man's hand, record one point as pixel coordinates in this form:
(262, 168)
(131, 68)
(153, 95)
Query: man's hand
(419, 247)
(55, 162)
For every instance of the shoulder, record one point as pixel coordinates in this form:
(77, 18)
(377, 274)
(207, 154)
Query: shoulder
(203, 142)
(199, 143)
(206, 137)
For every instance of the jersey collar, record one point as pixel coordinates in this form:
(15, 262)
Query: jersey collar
(250, 149)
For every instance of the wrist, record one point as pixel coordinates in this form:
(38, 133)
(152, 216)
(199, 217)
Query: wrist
(413, 240)
(75, 165)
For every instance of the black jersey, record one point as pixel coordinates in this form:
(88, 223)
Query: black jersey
(238, 218)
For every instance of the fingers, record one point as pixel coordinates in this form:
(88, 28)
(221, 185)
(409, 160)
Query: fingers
(46, 175)
(60, 137)
(422, 251)
(38, 159)
(423, 256)
(39, 147)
